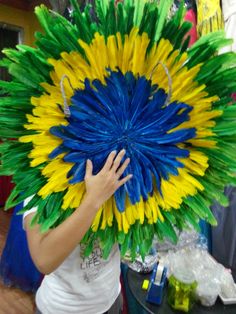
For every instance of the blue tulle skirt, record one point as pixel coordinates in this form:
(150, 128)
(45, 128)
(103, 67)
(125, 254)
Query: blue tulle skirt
(16, 266)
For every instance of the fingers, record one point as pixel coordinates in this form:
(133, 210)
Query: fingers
(123, 167)
(123, 181)
(117, 161)
(109, 161)
(89, 169)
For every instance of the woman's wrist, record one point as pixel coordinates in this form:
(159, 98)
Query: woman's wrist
(91, 202)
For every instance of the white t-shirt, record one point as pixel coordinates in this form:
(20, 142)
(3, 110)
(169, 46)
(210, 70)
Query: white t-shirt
(80, 285)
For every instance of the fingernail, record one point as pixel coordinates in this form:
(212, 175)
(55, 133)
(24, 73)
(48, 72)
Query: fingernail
(114, 152)
(123, 150)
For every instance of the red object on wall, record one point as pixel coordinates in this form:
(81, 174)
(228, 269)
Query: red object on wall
(5, 189)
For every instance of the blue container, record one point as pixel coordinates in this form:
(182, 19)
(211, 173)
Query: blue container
(156, 290)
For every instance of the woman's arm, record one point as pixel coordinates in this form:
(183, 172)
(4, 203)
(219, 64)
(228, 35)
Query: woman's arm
(50, 249)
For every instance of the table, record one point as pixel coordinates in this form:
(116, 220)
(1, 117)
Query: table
(135, 281)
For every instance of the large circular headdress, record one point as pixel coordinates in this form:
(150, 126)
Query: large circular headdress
(123, 78)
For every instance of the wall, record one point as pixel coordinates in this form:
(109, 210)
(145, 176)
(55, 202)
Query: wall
(20, 18)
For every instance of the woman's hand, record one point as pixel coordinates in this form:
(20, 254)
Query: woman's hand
(102, 186)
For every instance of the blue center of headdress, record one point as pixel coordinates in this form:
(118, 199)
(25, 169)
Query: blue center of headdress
(126, 112)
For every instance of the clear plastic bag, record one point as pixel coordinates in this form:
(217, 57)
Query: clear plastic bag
(141, 266)
(207, 293)
(227, 285)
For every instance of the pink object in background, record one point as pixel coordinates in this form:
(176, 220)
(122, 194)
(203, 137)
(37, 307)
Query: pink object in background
(191, 17)
(234, 96)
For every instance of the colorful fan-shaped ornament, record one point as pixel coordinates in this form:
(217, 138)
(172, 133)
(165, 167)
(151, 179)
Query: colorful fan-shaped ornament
(120, 78)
